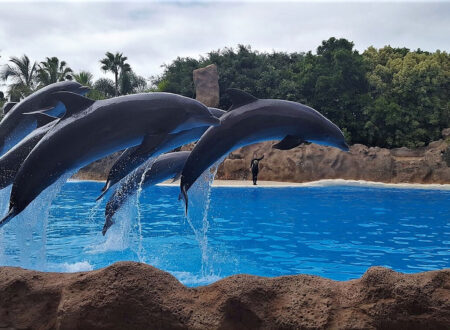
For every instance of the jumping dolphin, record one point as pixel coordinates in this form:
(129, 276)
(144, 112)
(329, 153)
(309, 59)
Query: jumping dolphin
(131, 158)
(165, 167)
(15, 126)
(253, 120)
(103, 127)
(13, 159)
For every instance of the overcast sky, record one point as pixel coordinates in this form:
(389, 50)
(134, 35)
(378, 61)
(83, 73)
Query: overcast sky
(152, 34)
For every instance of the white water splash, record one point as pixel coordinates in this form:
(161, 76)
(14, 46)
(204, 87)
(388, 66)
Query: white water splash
(119, 236)
(190, 279)
(81, 266)
(94, 210)
(199, 202)
(141, 251)
(29, 229)
(4, 205)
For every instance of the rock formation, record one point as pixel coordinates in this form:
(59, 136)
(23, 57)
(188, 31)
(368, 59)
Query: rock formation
(206, 81)
(313, 162)
(129, 295)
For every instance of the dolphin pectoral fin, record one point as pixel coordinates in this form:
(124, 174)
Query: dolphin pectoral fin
(176, 177)
(108, 223)
(106, 186)
(183, 195)
(239, 98)
(73, 102)
(11, 214)
(42, 110)
(288, 143)
(149, 145)
(102, 194)
(41, 117)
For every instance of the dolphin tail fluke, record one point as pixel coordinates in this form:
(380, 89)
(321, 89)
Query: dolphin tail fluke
(183, 195)
(102, 194)
(11, 214)
(107, 185)
(108, 223)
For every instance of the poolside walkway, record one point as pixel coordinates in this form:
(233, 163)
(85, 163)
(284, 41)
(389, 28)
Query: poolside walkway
(320, 183)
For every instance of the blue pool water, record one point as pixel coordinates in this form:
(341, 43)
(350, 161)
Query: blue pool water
(334, 231)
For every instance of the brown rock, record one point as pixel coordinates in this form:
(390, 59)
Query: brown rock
(312, 162)
(446, 133)
(206, 81)
(129, 295)
(97, 170)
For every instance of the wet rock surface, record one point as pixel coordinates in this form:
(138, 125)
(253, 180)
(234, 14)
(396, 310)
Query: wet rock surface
(129, 295)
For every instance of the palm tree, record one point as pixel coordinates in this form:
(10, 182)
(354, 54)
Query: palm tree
(85, 78)
(52, 70)
(115, 63)
(23, 73)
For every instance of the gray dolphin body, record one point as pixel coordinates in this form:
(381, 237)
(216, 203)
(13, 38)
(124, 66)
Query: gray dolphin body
(131, 158)
(102, 128)
(165, 167)
(15, 126)
(253, 120)
(13, 159)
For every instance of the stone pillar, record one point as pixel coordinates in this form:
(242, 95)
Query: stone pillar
(206, 82)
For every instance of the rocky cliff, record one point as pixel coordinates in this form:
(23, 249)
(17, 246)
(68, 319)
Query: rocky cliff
(129, 295)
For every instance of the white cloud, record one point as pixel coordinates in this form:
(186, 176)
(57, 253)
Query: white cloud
(152, 34)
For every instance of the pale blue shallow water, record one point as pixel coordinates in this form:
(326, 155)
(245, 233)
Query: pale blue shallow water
(335, 232)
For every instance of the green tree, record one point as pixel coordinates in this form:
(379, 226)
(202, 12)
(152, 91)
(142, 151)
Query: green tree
(409, 96)
(106, 87)
(334, 82)
(115, 63)
(53, 70)
(131, 83)
(22, 74)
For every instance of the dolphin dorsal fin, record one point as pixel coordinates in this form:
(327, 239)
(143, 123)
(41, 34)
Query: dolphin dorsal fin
(239, 98)
(73, 102)
(41, 118)
(8, 106)
(289, 142)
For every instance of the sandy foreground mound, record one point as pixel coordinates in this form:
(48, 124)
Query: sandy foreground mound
(129, 295)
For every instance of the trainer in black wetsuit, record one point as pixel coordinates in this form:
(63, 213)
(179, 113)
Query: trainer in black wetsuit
(254, 166)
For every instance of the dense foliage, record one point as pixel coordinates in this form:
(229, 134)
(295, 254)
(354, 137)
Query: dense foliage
(388, 97)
